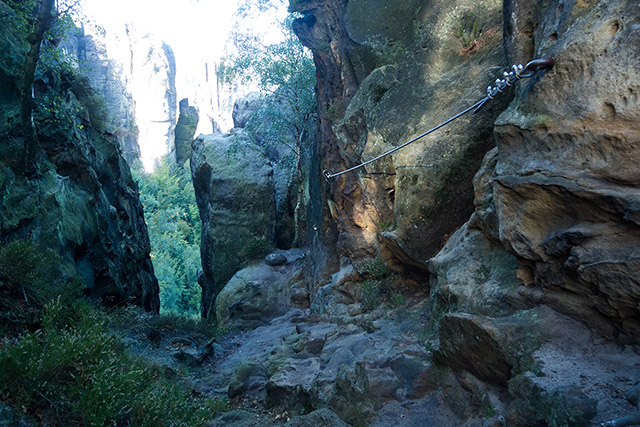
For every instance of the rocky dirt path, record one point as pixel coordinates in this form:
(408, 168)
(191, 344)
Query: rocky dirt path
(372, 372)
(299, 362)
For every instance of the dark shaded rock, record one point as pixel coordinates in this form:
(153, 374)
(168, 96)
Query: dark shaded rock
(468, 342)
(241, 418)
(490, 348)
(184, 132)
(8, 416)
(84, 203)
(564, 405)
(319, 418)
(249, 381)
(292, 386)
(570, 407)
(300, 297)
(275, 259)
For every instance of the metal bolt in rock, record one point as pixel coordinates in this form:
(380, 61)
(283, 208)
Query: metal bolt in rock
(516, 73)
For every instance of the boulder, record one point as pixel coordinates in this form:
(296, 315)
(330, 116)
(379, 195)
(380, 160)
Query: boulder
(275, 259)
(257, 294)
(235, 196)
(476, 275)
(489, 348)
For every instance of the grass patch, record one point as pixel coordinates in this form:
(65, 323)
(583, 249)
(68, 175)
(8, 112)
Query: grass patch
(73, 371)
(60, 363)
(29, 278)
(130, 317)
(396, 300)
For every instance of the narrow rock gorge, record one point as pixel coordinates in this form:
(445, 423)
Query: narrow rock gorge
(482, 276)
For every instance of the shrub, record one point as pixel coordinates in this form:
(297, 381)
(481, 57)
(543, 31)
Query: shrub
(73, 371)
(371, 293)
(29, 278)
(376, 268)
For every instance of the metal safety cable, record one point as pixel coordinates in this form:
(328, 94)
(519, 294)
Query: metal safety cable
(508, 79)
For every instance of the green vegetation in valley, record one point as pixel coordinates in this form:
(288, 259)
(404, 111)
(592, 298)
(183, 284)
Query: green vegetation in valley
(173, 222)
(70, 368)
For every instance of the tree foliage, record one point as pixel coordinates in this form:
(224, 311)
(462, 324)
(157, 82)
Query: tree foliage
(285, 74)
(173, 222)
(41, 24)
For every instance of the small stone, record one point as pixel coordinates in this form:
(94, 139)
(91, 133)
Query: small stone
(275, 259)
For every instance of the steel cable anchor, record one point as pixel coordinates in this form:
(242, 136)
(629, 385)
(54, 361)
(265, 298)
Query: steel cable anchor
(516, 73)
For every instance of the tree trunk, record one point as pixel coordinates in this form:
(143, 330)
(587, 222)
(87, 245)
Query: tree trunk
(45, 17)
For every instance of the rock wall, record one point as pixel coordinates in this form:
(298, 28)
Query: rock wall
(562, 195)
(566, 185)
(82, 202)
(135, 73)
(540, 278)
(96, 51)
(384, 78)
(235, 196)
(554, 229)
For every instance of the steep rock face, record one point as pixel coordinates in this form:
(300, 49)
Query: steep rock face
(153, 68)
(566, 186)
(553, 238)
(185, 130)
(237, 207)
(110, 77)
(385, 77)
(135, 72)
(556, 203)
(83, 203)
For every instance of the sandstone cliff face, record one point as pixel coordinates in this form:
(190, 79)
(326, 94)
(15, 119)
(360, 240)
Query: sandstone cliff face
(555, 212)
(560, 194)
(235, 196)
(384, 78)
(83, 203)
(135, 72)
(96, 51)
(566, 186)
(541, 277)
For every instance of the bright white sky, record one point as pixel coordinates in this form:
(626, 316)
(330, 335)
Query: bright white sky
(196, 30)
(192, 28)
